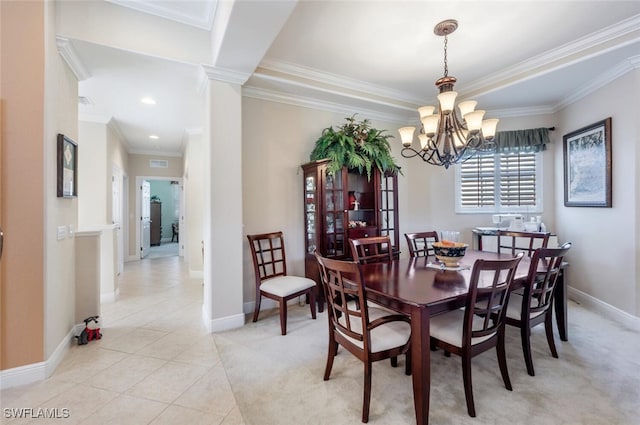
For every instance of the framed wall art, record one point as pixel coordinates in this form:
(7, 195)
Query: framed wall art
(67, 167)
(587, 166)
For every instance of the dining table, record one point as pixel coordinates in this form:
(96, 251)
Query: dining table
(421, 288)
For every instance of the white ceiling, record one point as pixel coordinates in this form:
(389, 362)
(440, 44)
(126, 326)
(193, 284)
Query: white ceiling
(378, 58)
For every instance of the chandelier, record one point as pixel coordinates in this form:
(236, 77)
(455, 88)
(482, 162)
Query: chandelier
(446, 138)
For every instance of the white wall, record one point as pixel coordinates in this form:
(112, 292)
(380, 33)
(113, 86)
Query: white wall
(604, 258)
(61, 116)
(93, 172)
(194, 204)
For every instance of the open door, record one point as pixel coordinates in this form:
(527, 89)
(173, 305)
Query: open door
(116, 213)
(145, 218)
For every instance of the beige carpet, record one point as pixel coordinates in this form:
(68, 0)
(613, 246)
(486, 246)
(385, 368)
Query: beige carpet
(278, 379)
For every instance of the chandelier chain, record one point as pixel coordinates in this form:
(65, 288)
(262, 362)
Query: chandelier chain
(446, 66)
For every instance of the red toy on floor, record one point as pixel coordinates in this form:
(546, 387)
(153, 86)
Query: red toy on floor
(89, 334)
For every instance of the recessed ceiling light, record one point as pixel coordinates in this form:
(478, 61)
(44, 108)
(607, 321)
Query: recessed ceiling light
(154, 137)
(148, 100)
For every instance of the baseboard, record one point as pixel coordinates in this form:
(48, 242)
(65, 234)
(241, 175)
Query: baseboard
(223, 323)
(607, 310)
(40, 371)
(132, 258)
(109, 297)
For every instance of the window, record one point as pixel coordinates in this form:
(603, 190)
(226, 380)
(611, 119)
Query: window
(500, 182)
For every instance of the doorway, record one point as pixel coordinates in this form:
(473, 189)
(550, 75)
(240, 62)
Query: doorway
(159, 201)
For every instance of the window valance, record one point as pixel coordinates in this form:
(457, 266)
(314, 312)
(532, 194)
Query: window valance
(529, 140)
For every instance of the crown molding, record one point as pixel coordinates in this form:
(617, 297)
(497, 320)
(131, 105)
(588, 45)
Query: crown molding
(337, 91)
(314, 103)
(226, 75)
(156, 8)
(601, 81)
(68, 53)
(621, 33)
(320, 78)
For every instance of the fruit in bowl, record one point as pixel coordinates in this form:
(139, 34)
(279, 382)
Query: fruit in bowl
(449, 252)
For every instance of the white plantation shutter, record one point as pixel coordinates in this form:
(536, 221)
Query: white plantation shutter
(517, 180)
(478, 182)
(501, 182)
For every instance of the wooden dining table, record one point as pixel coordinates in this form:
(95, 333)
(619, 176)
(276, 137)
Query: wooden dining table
(410, 286)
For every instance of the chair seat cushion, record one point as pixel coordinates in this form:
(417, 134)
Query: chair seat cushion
(514, 309)
(283, 286)
(384, 337)
(448, 328)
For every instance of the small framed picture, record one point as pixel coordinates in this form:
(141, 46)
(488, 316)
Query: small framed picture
(587, 166)
(67, 167)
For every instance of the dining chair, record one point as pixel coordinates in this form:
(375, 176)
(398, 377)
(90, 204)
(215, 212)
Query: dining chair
(371, 250)
(369, 333)
(480, 326)
(535, 305)
(507, 241)
(420, 244)
(272, 280)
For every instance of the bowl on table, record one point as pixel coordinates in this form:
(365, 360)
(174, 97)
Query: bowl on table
(449, 253)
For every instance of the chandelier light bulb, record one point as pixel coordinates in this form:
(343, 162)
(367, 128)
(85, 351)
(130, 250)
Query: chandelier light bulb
(474, 120)
(406, 135)
(489, 128)
(447, 101)
(430, 124)
(466, 107)
(424, 141)
(425, 111)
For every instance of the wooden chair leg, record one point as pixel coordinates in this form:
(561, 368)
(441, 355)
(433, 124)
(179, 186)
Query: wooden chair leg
(407, 366)
(468, 388)
(312, 302)
(283, 316)
(394, 361)
(525, 335)
(502, 361)
(256, 307)
(367, 392)
(548, 327)
(333, 351)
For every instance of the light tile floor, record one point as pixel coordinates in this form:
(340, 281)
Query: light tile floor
(155, 364)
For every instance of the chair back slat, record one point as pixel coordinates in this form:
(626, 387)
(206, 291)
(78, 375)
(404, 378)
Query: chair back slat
(268, 253)
(488, 296)
(421, 244)
(371, 250)
(508, 241)
(540, 287)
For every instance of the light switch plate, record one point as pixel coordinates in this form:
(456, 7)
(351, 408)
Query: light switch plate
(62, 232)
(71, 230)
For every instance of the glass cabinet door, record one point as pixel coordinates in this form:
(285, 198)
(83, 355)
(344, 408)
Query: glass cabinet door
(388, 209)
(334, 227)
(310, 212)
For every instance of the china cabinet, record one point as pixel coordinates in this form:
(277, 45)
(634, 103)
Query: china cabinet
(346, 205)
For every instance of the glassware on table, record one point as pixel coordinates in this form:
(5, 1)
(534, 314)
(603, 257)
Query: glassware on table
(450, 235)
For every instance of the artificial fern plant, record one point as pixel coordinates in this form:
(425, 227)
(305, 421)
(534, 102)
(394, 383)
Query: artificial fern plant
(357, 146)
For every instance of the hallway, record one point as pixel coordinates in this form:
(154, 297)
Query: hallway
(155, 364)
